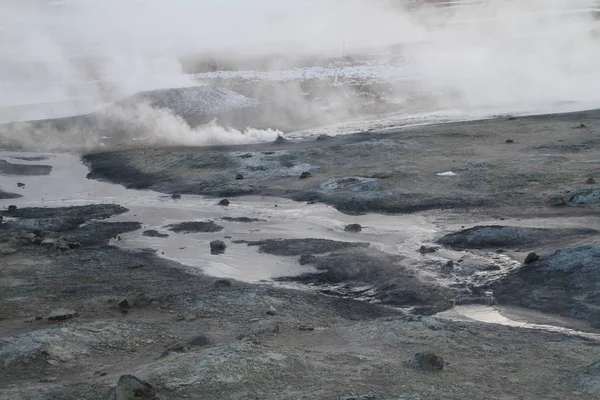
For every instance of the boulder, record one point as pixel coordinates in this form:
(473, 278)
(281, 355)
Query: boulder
(427, 249)
(224, 202)
(239, 177)
(531, 257)
(12, 208)
(200, 340)
(176, 196)
(353, 228)
(305, 175)
(131, 388)
(217, 247)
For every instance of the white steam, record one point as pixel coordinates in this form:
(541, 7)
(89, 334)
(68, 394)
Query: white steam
(65, 57)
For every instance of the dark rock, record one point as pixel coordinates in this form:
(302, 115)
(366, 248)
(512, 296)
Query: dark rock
(427, 250)
(221, 283)
(12, 208)
(20, 184)
(217, 247)
(239, 177)
(509, 141)
(307, 259)
(131, 388)
(531, 258)
(353, 228)
(427, 361)
(154, 233)
(200, 340)
(280, 140)
(61, 314)
(321, 138)
(556, 201)
(196, 226)
(494, 236)
(224, 202)
(305, 175)
(123, 305)
(591, 181)
(176, 196)
(565, 283)
(306, 328)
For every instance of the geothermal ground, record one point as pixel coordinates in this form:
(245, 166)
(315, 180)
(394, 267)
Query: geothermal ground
(309, 269)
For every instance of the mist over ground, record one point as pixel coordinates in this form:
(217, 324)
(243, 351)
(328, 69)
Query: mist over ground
(64, 58)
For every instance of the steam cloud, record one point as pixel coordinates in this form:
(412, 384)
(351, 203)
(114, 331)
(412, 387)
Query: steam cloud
(71, 56)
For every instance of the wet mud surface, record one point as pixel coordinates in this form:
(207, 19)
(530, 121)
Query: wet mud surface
(131, 285)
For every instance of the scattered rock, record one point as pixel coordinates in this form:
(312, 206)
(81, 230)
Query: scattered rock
(176, 196)
(217, 247)
(305, 175)
(306, 328)
(221, 283)
(239, 177)
(271, 311)
(428, 250)
(353, 228)
(154, 233)
(123, 305)
(591, 181)
(5, 249)
(12, 208)
(61, 314)
(131, 388)
(200, 340)
(427, 361)
(245, 220)
(224, 202)
(20, 184)
(531, 257)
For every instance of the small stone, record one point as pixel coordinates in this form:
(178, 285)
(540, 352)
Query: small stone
(61, 314)
(427, 250)
(305, 175)
(224, 202)
(306, 328)
(239, 177)
(176, 196)
(590, 181)
(6, 250)
(509, 141)
(220, 283)
(199, 340)
(217, 247)
(353, 228)
(427, 361)
(531, 258)
(131, 388)
(20, 184)
(123, 305)
(271, 311)
(12, 208)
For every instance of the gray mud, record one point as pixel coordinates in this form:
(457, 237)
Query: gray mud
(391, 172)
(497, 237)
(8, 168)
(195, 226)
(565, 283)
